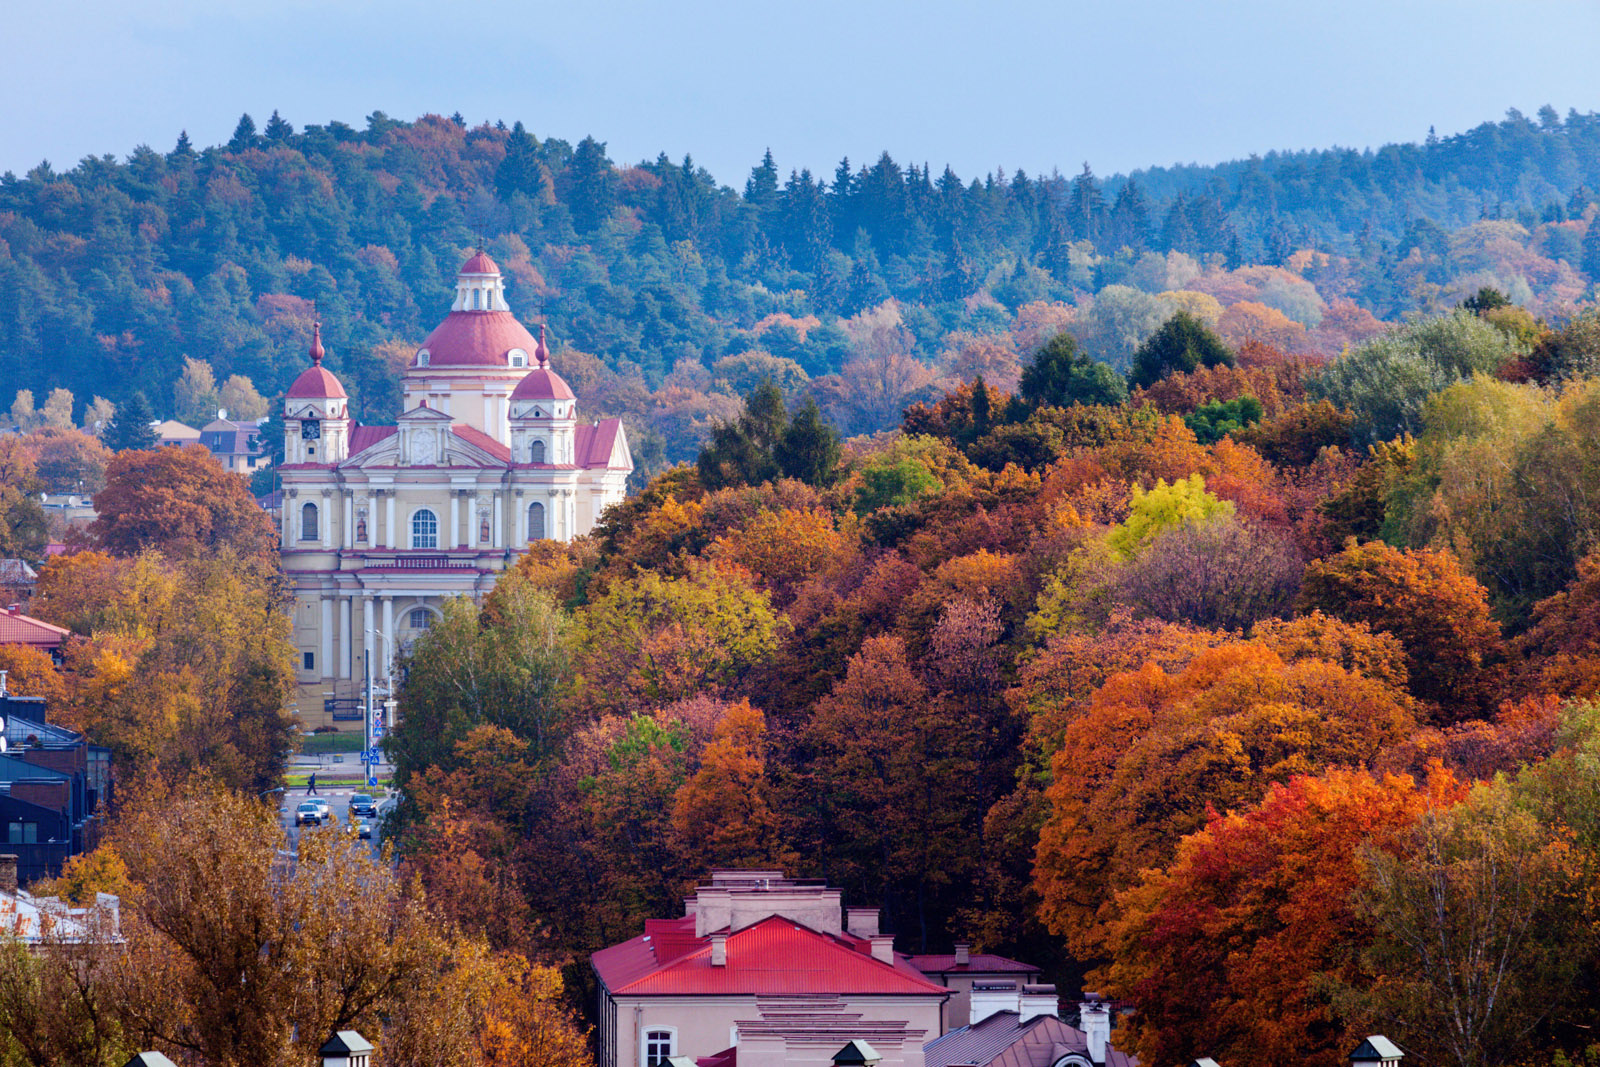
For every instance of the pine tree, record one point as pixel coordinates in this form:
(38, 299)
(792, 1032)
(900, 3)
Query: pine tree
(132, 429)
(1088, 206)
(244, 134)
(520, 171)
(183, 150)
(278, 131)
(593, 185)
(1181, 344)
(762, 187)
(809, 449)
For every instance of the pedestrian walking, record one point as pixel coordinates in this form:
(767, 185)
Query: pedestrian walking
(311, 786)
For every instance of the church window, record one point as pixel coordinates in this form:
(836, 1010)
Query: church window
(308, 523)
(535, 522)
(424, 529)
(423, 357)
(421, 618)
(309, 659)
(477, 299)
(536, 452)
(519, 358)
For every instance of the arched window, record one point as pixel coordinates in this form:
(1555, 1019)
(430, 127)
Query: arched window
(420, 618)
(423, 357)
(477, 299)
(536, 452)
(308, 523)
(535, 522)
(424, 529)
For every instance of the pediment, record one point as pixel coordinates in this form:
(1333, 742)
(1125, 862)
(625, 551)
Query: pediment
(424, 416)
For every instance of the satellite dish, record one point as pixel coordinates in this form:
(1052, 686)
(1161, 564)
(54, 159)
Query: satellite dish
(222, 413)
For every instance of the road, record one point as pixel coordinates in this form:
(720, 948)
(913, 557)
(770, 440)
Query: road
(338, 798)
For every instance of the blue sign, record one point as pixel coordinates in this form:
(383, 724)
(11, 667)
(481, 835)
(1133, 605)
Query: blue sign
(371, 755)
(372, 779)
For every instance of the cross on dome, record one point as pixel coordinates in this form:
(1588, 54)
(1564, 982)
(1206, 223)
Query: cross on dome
(316, 344)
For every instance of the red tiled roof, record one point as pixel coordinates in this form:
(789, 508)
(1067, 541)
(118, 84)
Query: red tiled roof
(477, 339)
(22, 629)
(978, 963)
(728, 1057)
(473, 435)
(480, 264)
(774, 957)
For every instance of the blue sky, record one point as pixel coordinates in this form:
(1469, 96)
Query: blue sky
(976, 85)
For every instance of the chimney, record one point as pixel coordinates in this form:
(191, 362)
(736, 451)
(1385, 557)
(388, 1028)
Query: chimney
(862, 922)
(719, 950)
(883, 947)
(1038, 1000)
(987, 998)
(1094, 1019)
(1375, 1050)
(8, 874)
(963, 954)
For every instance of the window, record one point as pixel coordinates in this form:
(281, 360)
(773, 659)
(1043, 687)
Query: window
(477, 300)
(519, 358)
(310, 660)
(535, 522)
(420, 618)
(658, 1045)
(27, 833)
(424, 529)
(308, 523)
(422, 358)
(536, 452)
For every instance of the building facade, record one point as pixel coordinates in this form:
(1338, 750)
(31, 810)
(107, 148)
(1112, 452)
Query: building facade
(381, 524)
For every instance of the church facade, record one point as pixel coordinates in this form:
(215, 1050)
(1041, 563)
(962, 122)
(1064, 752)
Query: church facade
(382, 524)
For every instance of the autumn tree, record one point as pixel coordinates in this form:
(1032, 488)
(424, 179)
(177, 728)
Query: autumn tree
(69, 461)
(1060, 376)
(725, 813)
(1231, 947)
(1220, 573)
(1454, 650)
(181, 501)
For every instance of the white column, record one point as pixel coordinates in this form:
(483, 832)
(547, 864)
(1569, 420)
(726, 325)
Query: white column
(387, 642)
(499, 522)
(522, 521)
(347, 502)
(368, 638)
(455, 522)
(345, 643)
(327, 520)
(325, 657)
(389, 519)
(372, 522)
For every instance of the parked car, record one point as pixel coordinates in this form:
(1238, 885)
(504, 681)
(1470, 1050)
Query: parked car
(361, 804)
(310, 812)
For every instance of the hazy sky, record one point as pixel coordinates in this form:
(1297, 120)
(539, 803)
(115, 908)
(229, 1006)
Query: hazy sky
(1005, 83)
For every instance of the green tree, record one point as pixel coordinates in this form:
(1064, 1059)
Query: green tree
(244, 134)
(744, 452)
(278, 130)
(521, 170)
(592, 185)
(1182, 344)
(808, 450)
(1216, 420)
(132, 430)
(1061, 375)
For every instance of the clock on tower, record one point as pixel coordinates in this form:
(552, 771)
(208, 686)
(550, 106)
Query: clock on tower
(310, 430)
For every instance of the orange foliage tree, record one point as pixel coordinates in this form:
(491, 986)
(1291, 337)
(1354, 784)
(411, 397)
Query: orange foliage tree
(181, 501)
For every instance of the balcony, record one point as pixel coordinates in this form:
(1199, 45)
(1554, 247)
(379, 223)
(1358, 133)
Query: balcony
(413, 561)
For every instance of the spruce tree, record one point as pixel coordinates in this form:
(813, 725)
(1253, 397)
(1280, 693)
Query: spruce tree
(278, 131)
(809, 449)
(762, 186)
(131, 430)
(244, 134)
(1181, 344)
(593, 185)
(519, 171)
(183, 150)
(1062, 375)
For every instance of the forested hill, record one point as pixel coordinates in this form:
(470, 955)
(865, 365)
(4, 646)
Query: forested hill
(868, 287)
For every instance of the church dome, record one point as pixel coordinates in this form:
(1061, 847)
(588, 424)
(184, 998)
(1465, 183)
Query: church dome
(480, 330)
(316, 382)
(542, 383)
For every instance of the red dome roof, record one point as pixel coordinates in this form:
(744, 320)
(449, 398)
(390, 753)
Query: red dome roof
(480, 264)
(542, 383)
(477, 339)
(316, 383)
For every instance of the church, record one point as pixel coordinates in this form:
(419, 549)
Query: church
(382, 524)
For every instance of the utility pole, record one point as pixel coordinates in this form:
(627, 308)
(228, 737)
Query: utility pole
(366, 722)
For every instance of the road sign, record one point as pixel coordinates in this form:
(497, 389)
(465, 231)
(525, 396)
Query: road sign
(372, 779)
(371, 755)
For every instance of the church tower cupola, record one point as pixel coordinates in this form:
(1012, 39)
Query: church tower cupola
(316, 413)
(479, 286)
(544, 413)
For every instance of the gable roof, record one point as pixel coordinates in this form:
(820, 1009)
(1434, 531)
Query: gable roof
(364, 437)
(474, 436)
(20, 629)
(1003, 1040)
(593, 445)
(1376, 1048)
(977, 963)
(774, 957)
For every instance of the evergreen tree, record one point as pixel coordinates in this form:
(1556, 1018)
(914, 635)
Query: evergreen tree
(592, 185)
(520, 171)
(1177, 232)
(804, 229)
(761, 188)
(278, 131)
(1129, 225)
(809, 449)
(1591, 250)
(183, 150)
(1061, 375)
(1181, 344)
(132, 430)
(1088, 206)
(744, 452)
(244, 134)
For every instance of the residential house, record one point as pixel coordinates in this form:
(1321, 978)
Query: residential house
(1017, 1026)
(237, 445)
(174, 434)
(19, 629)
(41, 922)
(763, 971)
(55, 788)
(960, 970)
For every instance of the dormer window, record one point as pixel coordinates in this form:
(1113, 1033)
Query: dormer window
(477, 300)
(519, 358)
(422, 358)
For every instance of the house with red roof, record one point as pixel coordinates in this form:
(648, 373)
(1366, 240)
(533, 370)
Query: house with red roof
(19, 629)
(962, 969)
(763, 971)
(380, 525)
